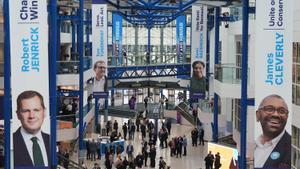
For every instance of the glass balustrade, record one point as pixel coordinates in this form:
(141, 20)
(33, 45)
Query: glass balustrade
(72, 67)
(228, 73)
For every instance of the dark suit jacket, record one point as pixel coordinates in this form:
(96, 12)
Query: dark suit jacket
(21, 155)
(283, 149)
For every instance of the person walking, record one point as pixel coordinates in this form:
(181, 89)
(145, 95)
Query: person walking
(139, 160)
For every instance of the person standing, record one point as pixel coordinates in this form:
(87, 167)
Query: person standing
(139, 160)
(218, 161)
(116, 126)
(152, 156)
(129, 151)
(194, 134)
(125, 130)
(169, 125)
(201, 136)
(184, 143)
(145, 152)
(209, 160)
(143, 130)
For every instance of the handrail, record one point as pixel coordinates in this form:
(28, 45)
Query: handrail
(71, 162)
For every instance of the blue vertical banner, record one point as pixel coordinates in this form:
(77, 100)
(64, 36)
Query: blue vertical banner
(1, 107)
(117, 39)
(181, 39)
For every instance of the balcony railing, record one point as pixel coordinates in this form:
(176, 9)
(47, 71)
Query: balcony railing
(72, 67)
(228, 73)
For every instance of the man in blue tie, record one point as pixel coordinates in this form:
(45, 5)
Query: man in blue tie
(31, 145)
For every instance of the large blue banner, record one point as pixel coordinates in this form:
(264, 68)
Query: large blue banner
(117, 39)
(1, 107)
(181, 39)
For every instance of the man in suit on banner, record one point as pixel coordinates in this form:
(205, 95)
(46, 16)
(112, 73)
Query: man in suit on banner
(273, 146)
(31, 145)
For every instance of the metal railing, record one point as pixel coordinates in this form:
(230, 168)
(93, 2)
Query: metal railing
(228, 73)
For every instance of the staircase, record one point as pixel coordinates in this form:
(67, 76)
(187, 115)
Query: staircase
(183, 109)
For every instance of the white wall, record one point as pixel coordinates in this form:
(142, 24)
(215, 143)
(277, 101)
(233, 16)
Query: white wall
(296, 21)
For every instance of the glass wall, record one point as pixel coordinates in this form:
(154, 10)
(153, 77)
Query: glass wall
(162, 43)
(296, 73)
(295, 147)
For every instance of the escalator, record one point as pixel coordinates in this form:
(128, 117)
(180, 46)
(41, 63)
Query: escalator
(71, 164)
(183, 109)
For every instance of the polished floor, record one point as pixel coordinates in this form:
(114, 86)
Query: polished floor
(193, 160)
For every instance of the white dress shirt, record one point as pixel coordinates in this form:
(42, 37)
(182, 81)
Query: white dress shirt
(98, 85)
(27, 139)
(263, 150)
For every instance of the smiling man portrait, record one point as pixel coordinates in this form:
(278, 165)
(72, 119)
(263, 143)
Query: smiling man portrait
(31, 145)
(273, 146)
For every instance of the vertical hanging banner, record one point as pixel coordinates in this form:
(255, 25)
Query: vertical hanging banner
(29, 83)
(117, 38)
(199, 34)
(181, 39)
(273, 79)
(99, 39)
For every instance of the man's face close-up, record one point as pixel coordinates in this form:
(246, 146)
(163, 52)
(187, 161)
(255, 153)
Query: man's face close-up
(100, 70)
(272, 115)
(31, 114)
(198, 70)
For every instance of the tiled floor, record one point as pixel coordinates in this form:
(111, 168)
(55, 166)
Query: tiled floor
(193, 160)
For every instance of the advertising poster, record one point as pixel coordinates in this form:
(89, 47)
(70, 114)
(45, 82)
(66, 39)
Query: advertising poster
(198, 83)
(199, 34)
(99, 38)
(117, 38)
(273, 83)
(30, 125)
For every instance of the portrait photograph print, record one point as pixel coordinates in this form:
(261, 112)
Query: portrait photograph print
(31, 144)
(100, 79)
(273, 145)
(198, 80)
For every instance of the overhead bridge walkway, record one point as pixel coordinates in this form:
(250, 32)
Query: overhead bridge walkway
(123, 111)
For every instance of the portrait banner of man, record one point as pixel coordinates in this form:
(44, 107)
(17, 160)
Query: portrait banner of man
(30, 122)
(273, 89)
(30, 143)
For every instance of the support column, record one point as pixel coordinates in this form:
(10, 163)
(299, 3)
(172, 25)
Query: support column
(136, 43)
(216, 100)
(162, 57)
(7, 94)
(243, 134)
(81, 83)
